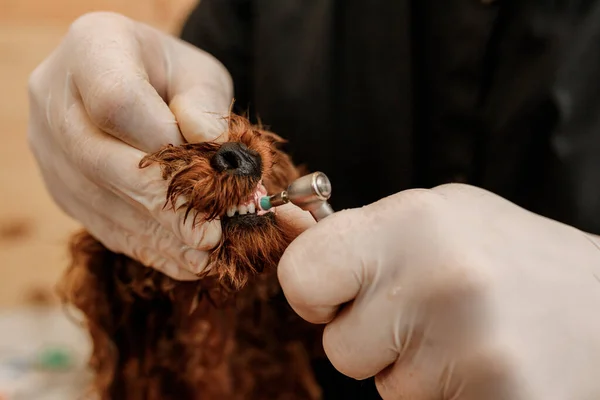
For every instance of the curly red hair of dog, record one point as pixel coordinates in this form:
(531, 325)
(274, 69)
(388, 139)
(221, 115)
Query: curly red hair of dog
(229, 335)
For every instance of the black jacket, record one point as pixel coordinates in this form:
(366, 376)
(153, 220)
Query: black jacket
(385, 95)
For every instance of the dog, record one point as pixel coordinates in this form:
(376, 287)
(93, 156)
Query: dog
(230, 334)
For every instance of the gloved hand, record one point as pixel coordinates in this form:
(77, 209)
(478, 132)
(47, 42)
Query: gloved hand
(452, 293)
(114, 90)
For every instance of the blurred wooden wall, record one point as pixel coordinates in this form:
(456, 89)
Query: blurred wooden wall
(33, 231)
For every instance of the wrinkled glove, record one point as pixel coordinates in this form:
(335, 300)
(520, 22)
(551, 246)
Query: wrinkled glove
(452, 293)
(113, 91)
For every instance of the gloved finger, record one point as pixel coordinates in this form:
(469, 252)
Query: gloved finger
(329, 264)
(141, 237)
(200, 93)
(143, 230)
(361, 341)
(482, 373)
(409, 381)
(388, 317)
(323, 267)
(114, 165)
(486, 372)
(121, 241)
(151, 257)
(114, 85)
(301, 220)
(116, 239)
(72, 190)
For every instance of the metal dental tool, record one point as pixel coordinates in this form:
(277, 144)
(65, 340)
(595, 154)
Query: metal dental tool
(309, 192)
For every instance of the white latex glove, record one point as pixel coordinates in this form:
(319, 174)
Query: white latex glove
(453, 293)
(114, 90)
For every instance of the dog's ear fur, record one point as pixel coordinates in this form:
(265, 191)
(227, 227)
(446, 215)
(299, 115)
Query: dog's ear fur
(150, 334)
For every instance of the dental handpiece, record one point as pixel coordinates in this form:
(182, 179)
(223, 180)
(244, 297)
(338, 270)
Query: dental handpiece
(309, 192)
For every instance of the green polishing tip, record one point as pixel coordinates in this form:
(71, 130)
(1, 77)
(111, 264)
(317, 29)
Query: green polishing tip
(265, 203)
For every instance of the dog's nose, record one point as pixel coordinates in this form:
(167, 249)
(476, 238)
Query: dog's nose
(236, 158)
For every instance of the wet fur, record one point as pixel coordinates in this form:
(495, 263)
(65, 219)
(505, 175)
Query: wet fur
(230, 335)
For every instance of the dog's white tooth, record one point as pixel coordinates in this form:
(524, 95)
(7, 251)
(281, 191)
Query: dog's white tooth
(243, 210)
(231, 211)
(251, 208)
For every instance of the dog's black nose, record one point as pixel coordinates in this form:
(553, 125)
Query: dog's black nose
(236, 158)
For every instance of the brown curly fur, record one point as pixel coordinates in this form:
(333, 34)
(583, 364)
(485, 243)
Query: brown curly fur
(230, 335)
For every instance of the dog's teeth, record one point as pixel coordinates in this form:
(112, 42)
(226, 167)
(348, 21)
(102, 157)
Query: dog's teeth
(231, 211)
(251, 208)
(243, 210)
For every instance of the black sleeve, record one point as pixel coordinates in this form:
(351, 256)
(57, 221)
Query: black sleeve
(223, 29)
(577, 98)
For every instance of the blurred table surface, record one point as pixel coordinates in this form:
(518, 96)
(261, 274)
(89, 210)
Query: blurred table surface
(33, 230)
(43, 354)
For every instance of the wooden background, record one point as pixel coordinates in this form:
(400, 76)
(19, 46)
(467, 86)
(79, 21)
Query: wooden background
(33, 231)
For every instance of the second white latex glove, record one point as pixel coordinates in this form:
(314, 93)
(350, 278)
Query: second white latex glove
(452, 293)
(113, 91)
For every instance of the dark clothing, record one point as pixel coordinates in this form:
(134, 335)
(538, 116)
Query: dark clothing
(386, 95)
